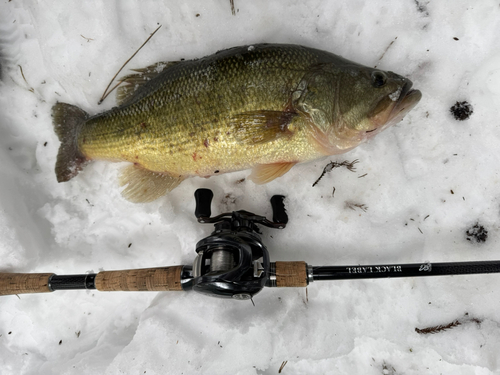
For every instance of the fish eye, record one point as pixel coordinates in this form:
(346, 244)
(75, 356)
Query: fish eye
(379, 79)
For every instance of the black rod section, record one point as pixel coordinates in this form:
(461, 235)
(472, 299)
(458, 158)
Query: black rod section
(403, 270)
(72, 282)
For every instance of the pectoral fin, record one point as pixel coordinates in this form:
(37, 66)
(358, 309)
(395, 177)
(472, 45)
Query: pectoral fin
(264, 173)
(256, 127)
(144, 185)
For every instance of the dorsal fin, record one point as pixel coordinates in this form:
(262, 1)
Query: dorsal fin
(133, 82)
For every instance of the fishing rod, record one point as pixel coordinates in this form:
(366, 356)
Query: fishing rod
(231, 263)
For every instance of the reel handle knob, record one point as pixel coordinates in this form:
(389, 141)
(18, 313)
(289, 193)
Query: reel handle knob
(203, 199)
(279, 212)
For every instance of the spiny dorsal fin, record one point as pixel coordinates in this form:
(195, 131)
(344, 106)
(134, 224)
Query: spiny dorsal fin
(144, 185)
(256, 127)
(264, 173)
(133, 82)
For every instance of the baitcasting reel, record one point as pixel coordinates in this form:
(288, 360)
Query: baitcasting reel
(233, 261)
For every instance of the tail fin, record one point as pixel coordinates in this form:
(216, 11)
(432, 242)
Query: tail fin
(68, 121)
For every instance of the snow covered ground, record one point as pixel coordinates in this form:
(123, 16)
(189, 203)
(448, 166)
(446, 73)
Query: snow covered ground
(427, 181)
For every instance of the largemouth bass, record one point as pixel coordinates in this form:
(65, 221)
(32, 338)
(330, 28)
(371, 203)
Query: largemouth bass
(265, 107)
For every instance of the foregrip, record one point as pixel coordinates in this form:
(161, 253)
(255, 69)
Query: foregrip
(147, 279)
(20, 283)
(291, 274)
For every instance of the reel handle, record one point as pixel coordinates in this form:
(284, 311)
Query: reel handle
(279, 212)
(203, 198)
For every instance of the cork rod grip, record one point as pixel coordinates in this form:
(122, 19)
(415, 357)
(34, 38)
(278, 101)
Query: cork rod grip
(291, 274)
(147, 279)
(21, 283)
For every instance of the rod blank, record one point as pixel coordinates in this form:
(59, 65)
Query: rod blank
(404, 270)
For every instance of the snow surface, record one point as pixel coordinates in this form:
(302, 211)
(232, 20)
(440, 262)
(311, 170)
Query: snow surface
(427, 180)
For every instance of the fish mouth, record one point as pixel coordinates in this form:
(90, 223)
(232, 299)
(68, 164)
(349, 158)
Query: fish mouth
(405, 103)
(397, 105)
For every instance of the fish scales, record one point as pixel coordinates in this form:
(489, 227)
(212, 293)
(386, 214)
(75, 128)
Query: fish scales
(190, 108)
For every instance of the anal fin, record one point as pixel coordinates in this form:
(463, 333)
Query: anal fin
(144, 185)
(264, 173)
